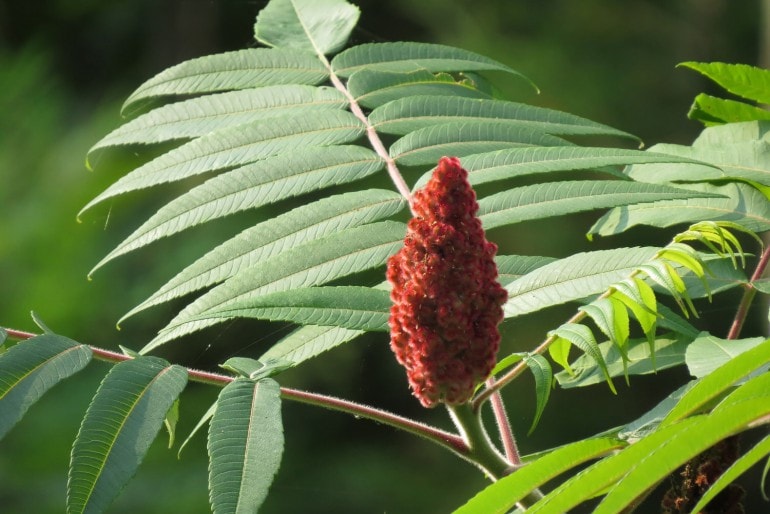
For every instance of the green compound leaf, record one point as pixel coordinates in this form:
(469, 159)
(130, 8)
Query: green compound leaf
(573, 278)
(372, 88)
(404, 115)
(30, 368)
(313, 263)
(543, 375)
(199, 116)
(428, 145)
(318, 26)
(353, 307)
(743, 80)
(502, 496)
(245, 445)
(237, 146)
(269, 238)
(242, 69)
(400, 57)
(539, 201)
(252, 186)
(123, 419)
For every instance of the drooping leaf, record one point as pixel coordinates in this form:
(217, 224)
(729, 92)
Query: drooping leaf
(503, 495)
(543, 375)
(743, 80)
(242, 69)
(669, 352)
(715, 383)
(199, 116)
(572, 278)
(742, 204)
(123, 419)
(245, 445)
(353, 307)
(251, 186)
(407, 114)
(549, 199)
(611, 316)
(271, 237)
(582, 337)
(429, 144)
(711, 110)
(313, 263)
(318, 26)
(708, 352)
(400, 57)
(372, 88)
(237, 146)
(30, 368)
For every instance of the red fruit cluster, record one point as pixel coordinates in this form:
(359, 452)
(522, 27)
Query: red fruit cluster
(447, 302)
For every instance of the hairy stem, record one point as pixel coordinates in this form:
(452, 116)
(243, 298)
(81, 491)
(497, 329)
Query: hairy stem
(504, 427)
(452, 442)
(748, 296)
(371, 134)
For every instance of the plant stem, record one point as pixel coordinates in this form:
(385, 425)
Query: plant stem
(482, 452)
(371, 134)
(748, 296)
(452, 442)
(504, 426)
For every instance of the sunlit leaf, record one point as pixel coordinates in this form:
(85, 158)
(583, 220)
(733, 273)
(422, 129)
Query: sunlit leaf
(740, 79)
(711, 110)
(543, 375)
(503, 495)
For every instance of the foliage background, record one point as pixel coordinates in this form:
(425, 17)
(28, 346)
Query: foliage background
(66, 65)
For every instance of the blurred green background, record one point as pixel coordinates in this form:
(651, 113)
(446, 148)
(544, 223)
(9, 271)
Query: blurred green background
(65, 67)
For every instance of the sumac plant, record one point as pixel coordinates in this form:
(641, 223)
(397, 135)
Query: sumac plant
(304, 116)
